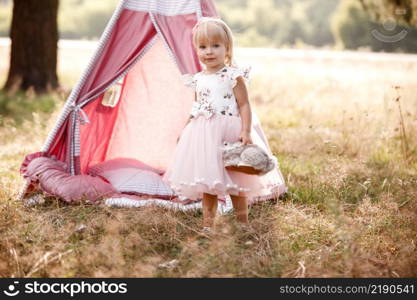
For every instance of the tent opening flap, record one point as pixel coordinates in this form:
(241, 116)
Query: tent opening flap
(153, 108)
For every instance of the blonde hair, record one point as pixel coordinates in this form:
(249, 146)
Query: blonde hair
(209, 29)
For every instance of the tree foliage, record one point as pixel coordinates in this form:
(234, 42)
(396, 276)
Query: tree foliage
(269, 23)
(403, 11)
(351, 25)
(279, 22)
(84, 19)
(5, 18)
(354, 27)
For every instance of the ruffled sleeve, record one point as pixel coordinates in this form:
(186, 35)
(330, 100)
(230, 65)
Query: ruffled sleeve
(189, 80)
(238, 72)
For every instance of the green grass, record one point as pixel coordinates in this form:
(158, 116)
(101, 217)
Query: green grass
(21, 106)
(350, 211)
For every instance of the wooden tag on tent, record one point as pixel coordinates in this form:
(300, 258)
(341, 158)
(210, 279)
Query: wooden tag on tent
(112, 95)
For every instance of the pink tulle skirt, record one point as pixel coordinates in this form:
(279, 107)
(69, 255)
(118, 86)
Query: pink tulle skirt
(197, 164)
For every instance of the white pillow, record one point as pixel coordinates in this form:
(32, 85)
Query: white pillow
(118, 163)
(138, 181)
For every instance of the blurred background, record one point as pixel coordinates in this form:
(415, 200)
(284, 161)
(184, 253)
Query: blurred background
(341, 24)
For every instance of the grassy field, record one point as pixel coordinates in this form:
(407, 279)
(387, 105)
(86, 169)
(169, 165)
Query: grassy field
(343, 126)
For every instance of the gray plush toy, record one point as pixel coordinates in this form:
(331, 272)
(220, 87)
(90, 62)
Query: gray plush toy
(249, 159)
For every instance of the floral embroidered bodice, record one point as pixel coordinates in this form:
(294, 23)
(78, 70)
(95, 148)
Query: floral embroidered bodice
(215, 91)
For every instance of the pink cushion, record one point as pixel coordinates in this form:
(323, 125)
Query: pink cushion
(56, 182)
(118, 163)
(82, 187)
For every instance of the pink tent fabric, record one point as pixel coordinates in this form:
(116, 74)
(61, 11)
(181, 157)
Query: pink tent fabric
(128, 134)
(148, 44)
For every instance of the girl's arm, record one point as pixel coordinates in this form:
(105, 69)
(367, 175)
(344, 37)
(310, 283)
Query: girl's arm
(241, 95)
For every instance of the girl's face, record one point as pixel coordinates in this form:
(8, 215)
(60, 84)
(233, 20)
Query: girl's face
(212, 53)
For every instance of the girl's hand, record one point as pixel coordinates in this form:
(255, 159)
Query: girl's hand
(245, 138)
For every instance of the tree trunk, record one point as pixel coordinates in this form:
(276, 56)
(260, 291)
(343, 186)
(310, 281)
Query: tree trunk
(34, 35)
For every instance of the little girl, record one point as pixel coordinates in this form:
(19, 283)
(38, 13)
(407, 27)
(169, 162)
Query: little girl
(220, 113)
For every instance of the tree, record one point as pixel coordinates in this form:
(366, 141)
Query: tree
(354, 27)
(403, 11)
(351, 26)
(34, 36)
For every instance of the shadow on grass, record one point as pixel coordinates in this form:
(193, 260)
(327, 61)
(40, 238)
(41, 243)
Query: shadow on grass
(376, 179)
(20, 106)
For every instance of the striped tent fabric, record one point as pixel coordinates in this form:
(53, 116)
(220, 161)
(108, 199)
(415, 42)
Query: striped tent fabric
(130, 101)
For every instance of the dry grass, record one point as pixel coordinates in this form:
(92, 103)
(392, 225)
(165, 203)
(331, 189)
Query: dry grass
(351, 210)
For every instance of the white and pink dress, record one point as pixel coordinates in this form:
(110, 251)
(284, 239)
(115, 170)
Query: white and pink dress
(197, 165)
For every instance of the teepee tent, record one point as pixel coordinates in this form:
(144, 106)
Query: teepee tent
(130, 101)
